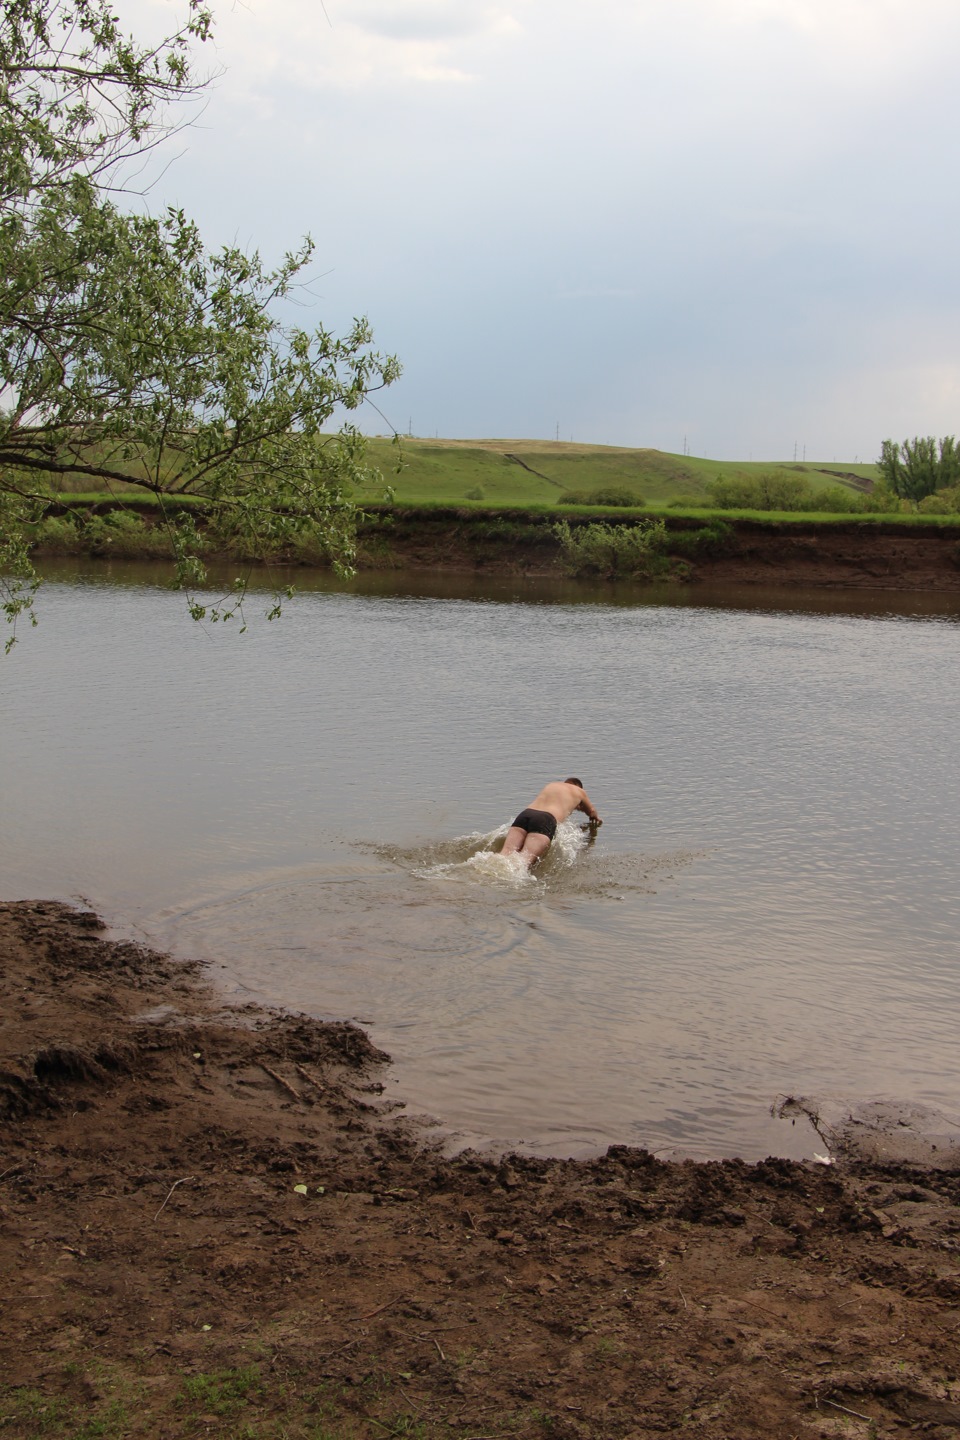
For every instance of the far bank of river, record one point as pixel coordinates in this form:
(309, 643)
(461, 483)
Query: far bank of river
(848, 553)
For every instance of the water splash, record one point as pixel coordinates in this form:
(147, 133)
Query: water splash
(598, 875)
(485, 865)
(477, 857)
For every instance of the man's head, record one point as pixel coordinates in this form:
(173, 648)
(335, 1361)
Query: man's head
(572, 780)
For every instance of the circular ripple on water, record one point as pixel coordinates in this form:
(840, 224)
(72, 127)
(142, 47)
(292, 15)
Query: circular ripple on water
(350, 939)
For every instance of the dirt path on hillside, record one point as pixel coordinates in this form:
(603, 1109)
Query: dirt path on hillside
(211, 1225)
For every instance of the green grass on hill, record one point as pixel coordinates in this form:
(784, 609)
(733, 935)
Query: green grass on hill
(530, 472)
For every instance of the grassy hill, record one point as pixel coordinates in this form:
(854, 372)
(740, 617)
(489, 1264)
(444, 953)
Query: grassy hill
(537, 472)
(522, 473)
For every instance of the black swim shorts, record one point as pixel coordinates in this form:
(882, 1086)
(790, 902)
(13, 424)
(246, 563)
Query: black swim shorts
(537, 822)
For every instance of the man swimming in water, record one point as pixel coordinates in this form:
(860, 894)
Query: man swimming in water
(531, 833)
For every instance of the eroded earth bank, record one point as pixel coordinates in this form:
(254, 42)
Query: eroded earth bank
(845, 554)
(211, 1226)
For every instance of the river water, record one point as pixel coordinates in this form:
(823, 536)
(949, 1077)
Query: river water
(770, 908)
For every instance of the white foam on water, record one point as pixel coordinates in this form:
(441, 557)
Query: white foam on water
(478, 857)
(488, 865)
(569, 842)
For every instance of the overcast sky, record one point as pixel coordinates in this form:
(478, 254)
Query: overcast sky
(641, 221)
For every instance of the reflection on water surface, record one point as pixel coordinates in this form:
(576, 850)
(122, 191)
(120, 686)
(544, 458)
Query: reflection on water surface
(769, 907)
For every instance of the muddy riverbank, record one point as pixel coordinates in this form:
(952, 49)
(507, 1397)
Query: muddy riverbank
(849, 553)
(212, 1224)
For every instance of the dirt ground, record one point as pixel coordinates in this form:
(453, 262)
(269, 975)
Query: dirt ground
(851, 557)
(211, 1224)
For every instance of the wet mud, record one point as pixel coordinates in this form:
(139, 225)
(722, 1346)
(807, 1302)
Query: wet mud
(211, 1223)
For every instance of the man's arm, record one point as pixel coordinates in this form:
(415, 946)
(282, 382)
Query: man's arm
(588, 808)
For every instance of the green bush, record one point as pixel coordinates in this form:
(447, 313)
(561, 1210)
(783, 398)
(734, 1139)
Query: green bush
(941, 502)
(770, 491)
(58, 534)
(837, 500)
(124, 534)
(120, 532)
(604, 495)
(880, 500)
(613, 550)
(713, 539)
(776, 491)
(503, 531)
(477, 493)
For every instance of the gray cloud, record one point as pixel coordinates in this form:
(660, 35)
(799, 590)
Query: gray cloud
(730, 219)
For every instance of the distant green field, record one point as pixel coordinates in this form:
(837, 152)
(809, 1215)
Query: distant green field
(530, 472)
(495, 473)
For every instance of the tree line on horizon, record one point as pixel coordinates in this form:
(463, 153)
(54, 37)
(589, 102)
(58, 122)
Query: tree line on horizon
(922, 469)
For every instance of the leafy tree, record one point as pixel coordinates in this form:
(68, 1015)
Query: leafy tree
(129, 354)
(920, 466)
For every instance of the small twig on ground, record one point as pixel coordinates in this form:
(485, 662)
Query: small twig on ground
(12, 1170)
(173, 1187)
(773, 1315)
(439, 1351)
(305, 1075)
(348, 1345)
(857, 1415)
(284, 1085)
(683, 1298)
(370, 1313)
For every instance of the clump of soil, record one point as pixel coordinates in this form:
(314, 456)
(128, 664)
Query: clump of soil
(211, 1224)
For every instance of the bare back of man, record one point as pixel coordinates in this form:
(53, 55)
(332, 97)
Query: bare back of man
(531, 833)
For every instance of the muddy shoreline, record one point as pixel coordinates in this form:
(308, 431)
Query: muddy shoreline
(212, 1224)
